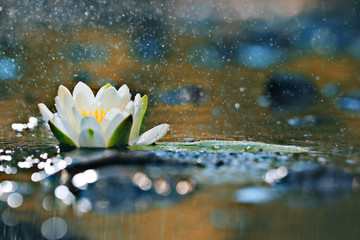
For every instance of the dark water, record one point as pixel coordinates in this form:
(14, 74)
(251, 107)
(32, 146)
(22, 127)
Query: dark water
(207, 85)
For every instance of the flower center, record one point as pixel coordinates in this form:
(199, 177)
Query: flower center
(98, 115)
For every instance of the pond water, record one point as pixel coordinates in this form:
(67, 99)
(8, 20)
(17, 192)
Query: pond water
(281, 75)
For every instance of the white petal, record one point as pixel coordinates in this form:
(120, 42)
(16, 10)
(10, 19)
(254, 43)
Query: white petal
(107, 99)
(95, 105)
(152, 135)
(118, 103)
(101, 91)
(124, 91)
(58, 123)
(130, 108)
(68, 105)
(82, 103)
(89, 122)
(114, 124)
(66, 128)
(123, 97)
(91, 138)
(85, 90)
(61, 92)
(61, 111)
(122, 102)
(68, 102)
(77, 118)
(137, 105)
(45, 112)
(109, 117)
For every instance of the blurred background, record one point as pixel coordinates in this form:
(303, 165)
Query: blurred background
(227, 62)
(275, 71)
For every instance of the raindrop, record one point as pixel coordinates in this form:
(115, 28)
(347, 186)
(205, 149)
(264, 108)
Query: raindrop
(274, 175)
(263, 101)
(68, 160)
(8, 217)
(48, 203)
(54, 228)
(254, 195)
(8, 186)
(162, 187)
(5, 157)
(62, 192)
(79, 181)
(18, 126)
(141, 180)
(183, 187)
(90, 176)
(15, 200)
(36, 177)
(33, 122)
(83, 205)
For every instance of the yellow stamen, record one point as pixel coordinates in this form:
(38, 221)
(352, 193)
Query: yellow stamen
(102, 114)
(98, 116)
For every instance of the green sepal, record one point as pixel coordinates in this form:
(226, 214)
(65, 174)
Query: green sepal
(107, 86)
(60, 136)
(140, 119)
(143, 110)
(142, 113)
(122, 133)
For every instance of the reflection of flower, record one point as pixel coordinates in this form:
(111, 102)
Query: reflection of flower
(110, 118)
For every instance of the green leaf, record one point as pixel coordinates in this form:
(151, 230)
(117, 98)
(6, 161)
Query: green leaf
(219, 146)
(122, 133)
(60, 136)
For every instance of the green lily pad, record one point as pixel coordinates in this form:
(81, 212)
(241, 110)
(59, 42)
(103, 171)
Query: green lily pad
(216, 146)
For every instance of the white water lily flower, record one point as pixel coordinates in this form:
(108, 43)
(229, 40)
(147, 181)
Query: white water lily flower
(108, 119)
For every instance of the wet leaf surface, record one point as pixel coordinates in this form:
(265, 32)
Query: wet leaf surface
(218, 146)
